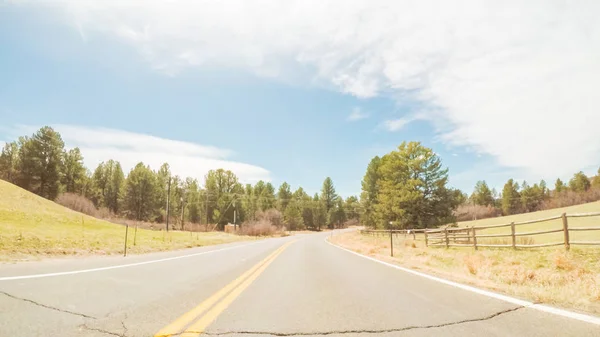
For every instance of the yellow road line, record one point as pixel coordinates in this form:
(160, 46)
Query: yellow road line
(180, 323)
(198, 327)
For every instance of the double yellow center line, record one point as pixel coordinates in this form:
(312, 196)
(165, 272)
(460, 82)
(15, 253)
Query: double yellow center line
(195, 321)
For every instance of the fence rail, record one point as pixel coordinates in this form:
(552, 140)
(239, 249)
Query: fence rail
(467, 236)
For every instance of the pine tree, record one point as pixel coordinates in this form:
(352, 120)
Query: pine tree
(368, 196)
(283, 196)
(510, 198)
(596, 181)
(482, 195)
(328, 194)
(580, 182)
(141, 193)
(74, 171)
(41, 162)
(412, 188)
(559, 186)
(292, 216)
(9, 162)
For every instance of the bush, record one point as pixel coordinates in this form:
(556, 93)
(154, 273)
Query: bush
(78, 203)
(258, 228)
(467, 212)
(272, 216)
(570, 198)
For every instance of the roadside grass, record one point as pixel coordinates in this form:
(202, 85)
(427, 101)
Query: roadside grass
(545, 275)
(547, 225)
(31, 227)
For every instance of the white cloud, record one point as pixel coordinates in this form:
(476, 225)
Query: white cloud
(513, 79)
(356, 115)
(396, 124)
(185, 159)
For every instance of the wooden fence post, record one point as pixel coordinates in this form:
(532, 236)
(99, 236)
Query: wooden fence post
(391, 243)
(512, 235)
(566, 231)
(426, 240)
(446, 235)
(474, 237)
(125, 248)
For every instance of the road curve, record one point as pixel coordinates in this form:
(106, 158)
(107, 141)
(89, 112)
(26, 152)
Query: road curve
(297, 285)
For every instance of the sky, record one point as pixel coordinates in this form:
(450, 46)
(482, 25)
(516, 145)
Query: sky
(297, 91)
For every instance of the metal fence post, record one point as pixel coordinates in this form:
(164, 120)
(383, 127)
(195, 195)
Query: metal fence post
(426, 239)
(512, 235)
(566, 231)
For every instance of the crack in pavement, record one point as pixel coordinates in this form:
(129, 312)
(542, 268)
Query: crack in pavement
(104, 331)
(366, 331)
(46, 306)
(123, 334)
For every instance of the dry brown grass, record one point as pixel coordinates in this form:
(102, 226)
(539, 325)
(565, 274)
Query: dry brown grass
(550, 275)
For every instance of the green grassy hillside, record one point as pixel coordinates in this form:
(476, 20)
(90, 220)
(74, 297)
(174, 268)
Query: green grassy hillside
(33, 226)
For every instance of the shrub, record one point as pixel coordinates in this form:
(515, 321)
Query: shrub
(258, 228)
(466, 212)
(570, 198)
(78, 203)
(272, 216)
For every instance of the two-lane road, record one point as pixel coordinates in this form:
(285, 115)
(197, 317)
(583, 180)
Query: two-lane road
(298, 285)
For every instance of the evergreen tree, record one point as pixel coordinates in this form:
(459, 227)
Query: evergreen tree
(73, 171)
(596, 181)
(141, 193)
(510, 198)
(482, 195)
(41, 162)
(580, 182)
(412, 188)
(328, 195)
(368, 196)
(559, 186)
(292, 216)
(9, 162)
(283, 196)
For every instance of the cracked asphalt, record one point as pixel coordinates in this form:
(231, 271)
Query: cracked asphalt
(311, 289)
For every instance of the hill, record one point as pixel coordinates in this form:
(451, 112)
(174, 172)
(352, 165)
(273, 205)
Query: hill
(34, 226)
(553, 224)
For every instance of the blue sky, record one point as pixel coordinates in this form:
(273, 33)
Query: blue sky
(280, 108)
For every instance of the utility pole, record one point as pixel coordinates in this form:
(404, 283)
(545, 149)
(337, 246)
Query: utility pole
(168, 194)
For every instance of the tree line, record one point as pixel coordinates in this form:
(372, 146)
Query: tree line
(40, 163)
(518, 198)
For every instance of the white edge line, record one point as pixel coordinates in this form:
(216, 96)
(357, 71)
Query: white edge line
(81, 271)
(526, 304)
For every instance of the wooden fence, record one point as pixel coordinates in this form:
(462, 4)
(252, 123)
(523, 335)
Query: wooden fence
(467, 236)
(407, 233)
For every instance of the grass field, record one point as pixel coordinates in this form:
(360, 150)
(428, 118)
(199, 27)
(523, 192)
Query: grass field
(31, 226)
(548, 225)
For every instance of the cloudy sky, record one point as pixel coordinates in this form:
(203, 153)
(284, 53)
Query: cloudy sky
(299, 90)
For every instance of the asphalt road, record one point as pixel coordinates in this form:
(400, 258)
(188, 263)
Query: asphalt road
(290, 286)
